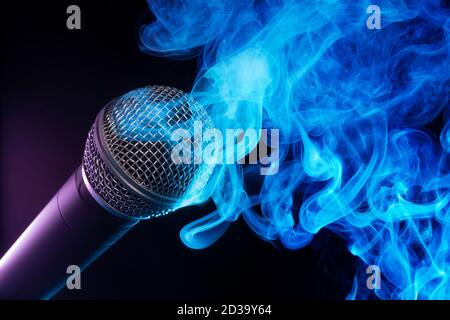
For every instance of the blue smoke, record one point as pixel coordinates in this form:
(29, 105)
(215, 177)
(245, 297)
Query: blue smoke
(356, 110)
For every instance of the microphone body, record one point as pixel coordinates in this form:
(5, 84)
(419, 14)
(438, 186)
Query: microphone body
(126, 175)
(72, 229)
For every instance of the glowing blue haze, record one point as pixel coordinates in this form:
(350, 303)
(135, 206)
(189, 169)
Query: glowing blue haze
(352, 106)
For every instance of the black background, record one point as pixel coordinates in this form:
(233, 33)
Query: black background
(53, 83)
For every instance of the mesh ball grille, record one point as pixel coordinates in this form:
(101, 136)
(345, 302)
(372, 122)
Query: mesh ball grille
(136, 131)
(111, 190)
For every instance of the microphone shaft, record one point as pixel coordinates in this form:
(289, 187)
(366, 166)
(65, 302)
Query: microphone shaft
(72, 229)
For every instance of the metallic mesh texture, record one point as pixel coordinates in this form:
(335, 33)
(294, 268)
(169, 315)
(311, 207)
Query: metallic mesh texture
(111, 190)
(137, 131)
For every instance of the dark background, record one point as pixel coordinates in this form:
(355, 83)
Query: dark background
(53, 83)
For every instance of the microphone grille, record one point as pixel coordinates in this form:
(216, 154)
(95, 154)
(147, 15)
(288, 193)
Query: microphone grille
(128, 158)
(112, 192)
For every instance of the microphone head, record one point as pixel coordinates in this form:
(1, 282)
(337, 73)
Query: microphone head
(127, 163)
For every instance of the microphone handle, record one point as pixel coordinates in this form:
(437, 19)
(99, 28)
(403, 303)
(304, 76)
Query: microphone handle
(72, 229)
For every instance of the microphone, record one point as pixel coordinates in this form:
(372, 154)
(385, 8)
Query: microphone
(127, 174)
